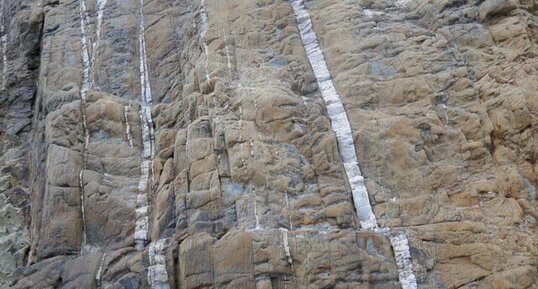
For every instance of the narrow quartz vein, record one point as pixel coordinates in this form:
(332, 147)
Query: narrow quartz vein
(100, 12)
(99, 274)
(286, 244)
(157, 274)
(256, 217)
(85, 85)
(203, 33)
(127, 126)
(146, 122)
(82, 212)
(85, 52)
(287, 251)
(4, 60)
(346, 146)
(3, 40)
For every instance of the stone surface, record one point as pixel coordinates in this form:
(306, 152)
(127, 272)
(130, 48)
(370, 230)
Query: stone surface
(246, 184)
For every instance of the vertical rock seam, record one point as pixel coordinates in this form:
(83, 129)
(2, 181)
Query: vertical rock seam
(85, 85)
(342, 128)
(146, 122)
(157, 274)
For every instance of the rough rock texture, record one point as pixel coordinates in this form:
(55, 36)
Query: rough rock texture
(245, 186)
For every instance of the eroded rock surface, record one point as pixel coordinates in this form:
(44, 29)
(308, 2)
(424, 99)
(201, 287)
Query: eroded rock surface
(188, 144)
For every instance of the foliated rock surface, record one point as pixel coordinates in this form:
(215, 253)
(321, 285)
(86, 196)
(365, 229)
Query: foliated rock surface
(268, 144)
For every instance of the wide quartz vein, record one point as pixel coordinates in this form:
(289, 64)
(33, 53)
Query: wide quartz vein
(157, 274)
(342, 128)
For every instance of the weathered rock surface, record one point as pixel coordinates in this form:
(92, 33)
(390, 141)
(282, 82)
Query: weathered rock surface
(186, 144)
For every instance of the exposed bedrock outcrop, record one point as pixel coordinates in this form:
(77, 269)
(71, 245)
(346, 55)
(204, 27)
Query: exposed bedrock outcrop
(268, 144)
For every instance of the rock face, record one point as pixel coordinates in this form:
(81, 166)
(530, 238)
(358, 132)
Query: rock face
(268, 144)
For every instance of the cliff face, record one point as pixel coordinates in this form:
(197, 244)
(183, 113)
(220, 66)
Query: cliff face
(268, 144)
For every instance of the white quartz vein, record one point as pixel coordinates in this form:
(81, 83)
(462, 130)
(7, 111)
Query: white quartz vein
(337, 114)
(85, 85)
(346, 146)
(157, 274)
(146, 122)
(100, 12)
(3, 40)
